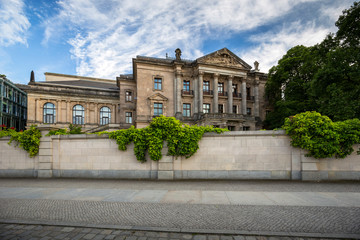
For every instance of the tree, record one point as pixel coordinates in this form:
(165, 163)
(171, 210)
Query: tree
(324, 77)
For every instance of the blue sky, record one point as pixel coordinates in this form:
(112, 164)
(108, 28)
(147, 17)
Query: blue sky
(99, 38)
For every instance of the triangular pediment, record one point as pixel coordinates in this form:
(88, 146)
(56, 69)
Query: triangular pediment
(158, 97)
(223, 57)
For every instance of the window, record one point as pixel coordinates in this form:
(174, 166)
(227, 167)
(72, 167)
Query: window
(206, 108)
(234, 90)
(158, 109)
(221, 108)
(248, 95)
(5, 107)
(248, 111)
(128, 117)
(49, 113)
(128, 96)
(78, 114)
(186, 86)
(206, 87)
(234, 109)
(246, 128)
(158, 84)
(186, 110)
(221, 89)
(105, 115)
(231, 128)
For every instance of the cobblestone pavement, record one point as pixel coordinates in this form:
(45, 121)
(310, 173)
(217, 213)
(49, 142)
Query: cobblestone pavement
(40, 232)
(322, 210)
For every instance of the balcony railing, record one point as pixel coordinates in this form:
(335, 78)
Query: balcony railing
(222, 93)
(236, 95)
(208, 92)
(187, 92)
(251, 98)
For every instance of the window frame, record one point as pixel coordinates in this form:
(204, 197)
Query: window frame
(221, 107)
(128, 96)
(105, 115)
(76, 117)
(221, 88)
(158, 109)
(186, 109)
(206, 107)
(49, 118)
(158, 82)
(248, 111)
(206, 87)
(128, 117)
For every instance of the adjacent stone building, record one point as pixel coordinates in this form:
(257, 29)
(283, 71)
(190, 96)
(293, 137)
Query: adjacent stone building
(217, 89)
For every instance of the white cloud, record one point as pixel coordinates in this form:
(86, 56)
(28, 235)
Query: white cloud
(13, 22)
(271, 46)
(107, 34)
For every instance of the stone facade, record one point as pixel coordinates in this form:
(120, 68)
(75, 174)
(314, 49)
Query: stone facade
(217, 89)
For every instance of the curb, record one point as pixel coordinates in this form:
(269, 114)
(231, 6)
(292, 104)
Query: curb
(186, 230)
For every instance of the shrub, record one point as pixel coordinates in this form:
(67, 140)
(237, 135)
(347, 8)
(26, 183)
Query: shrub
(182, 140)
(322, 137)
(73, 129)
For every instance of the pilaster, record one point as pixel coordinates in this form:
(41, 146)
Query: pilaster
(230, 95)
(201, 81)
(256, 104)
(216, 95)
(243, 96)
(45, 157)
(166, 165)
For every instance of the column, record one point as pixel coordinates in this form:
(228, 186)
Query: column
(196, 95)
(230, 96)
(243, 96)
(216, 95)
(68, 113)
(97, 118)
(178, 92)
(38, 113)
(256, 104)
(200, 88)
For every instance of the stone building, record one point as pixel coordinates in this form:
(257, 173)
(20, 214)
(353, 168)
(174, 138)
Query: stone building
(217, 89)
(13, 103)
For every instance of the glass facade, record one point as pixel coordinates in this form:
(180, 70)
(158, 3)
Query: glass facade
(49, 113)
(105, 115)
(13, 108)
(78, 114)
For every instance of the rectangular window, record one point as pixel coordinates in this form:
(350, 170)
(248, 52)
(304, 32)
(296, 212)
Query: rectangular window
(158, 109)
(248, 111)
(128, 117)
(248, 95)
(158, 84)
(186, 86)
(221, 108)
(206, 108)
(221, 89)
(128, 96)
(206, 87)
(186, 110)
(234, 109)
(246, 128)
(235, 90)
(231, 128)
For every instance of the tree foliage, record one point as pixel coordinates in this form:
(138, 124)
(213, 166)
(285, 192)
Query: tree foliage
(324, 77)
(321, 136)
(182, 140)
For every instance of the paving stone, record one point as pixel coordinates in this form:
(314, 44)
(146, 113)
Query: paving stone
(240, 238)
(106, 232)
(199, 237)
(109, 237)
(213, 237)
(250, 238)
(99, 237)
(120, 237)
(226, 238)
(61, 236)
(142, 238)
(139, 233)
(67, 229)
(131, 238)
(45, 238)
(89, 236)
(186, 236)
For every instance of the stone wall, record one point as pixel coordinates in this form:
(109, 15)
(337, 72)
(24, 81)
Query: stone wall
(231, 155)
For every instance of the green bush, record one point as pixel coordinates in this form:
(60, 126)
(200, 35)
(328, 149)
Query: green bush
(182, 140)
(322, 137)
(73, 129)
(29, 139)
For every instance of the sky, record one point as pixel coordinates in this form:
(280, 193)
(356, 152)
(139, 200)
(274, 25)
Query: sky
(99, 38)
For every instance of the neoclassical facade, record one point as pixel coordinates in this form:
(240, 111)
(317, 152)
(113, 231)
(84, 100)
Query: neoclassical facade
(217, 89)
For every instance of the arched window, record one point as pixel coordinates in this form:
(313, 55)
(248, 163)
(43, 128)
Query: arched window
(49, 113)
(78, 114)
(105, 115)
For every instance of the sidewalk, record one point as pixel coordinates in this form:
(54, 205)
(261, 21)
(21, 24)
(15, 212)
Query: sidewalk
(267, 208)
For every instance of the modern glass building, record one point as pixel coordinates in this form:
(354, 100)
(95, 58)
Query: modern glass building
(13, 105)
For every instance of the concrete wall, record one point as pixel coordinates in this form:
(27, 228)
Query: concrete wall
(232, 155)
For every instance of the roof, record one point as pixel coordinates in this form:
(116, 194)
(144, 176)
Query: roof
(84, 83)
